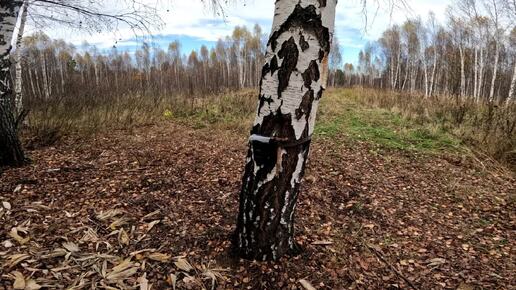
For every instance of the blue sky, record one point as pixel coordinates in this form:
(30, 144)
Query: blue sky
(194, 25)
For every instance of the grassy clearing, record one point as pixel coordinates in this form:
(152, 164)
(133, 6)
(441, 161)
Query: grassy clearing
(343, 114)
(48, 121)
(385, 119)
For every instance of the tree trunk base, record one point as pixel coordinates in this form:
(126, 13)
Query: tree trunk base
(263, 253)
(11, 152)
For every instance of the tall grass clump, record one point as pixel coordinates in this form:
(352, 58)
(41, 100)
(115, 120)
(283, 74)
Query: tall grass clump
(48, 120)
(486, 127)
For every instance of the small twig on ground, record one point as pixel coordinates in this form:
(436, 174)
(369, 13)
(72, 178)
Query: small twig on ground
(379, 255)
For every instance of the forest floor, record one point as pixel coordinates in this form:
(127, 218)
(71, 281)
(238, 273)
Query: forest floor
(157, 205)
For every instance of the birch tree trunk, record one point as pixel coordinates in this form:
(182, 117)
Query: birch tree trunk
(46, 84)
(475, 83)
(62, 76)
(480, 74)
(462, 73)
(425, 75)
(433, 76)
(391, 75)
(512, 90)
(10, 147)
(495, 71)
(398, 68)
(31, 80)
(292, 83)
(18, 100)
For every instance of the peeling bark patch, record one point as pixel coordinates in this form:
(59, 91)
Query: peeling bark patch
(311, 74)
(274, 65)
(263, 99)
(322, 54)
(306, 105)
(275, 125)
(320, 93)
(290, 54)
(270, 67)
(303, 43)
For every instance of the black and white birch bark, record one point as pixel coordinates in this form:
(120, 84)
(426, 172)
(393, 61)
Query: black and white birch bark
(11, 152)
(292, 83)
(512, 90)
(18, 100)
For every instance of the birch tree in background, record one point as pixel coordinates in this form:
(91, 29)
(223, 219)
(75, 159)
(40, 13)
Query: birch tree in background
(512, 90)
(292, 83)
(18, 100)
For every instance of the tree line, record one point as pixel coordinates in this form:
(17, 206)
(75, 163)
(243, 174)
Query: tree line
(472, 55)
(55, 69)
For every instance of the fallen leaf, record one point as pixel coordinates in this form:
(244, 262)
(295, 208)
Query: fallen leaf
(144, 283)
(152, 224)
(122, 271)
(14, 234)
(108, 214)
(19, 280)
(190, 281)
(7, 244)
(71, 247)
(118, 223)
(123, 237)
(183, 264)
(211, 275)
(306, 284)
(150, 215)
(15, 259)
(172, 280)
(159, 257)
(436, 262)
(6, 205)
(464, 286)
(32, 285)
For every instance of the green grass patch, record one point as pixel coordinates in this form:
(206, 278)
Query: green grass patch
(343, 115)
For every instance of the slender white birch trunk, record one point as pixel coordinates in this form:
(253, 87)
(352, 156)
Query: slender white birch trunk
(512, 90)
(480, 74)
(425, 75)
(46, 85)
(18, 99)
(31, 79)
(495, 71)
(462, 73)
(433, 76)
(396, 79)
(475, 83)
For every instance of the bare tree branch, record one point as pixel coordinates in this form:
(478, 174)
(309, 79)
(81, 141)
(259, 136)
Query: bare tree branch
(95, 16)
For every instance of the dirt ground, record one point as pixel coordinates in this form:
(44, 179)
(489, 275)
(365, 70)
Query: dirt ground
(157, 206)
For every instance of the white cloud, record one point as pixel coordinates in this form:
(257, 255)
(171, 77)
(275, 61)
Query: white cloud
(191, 18)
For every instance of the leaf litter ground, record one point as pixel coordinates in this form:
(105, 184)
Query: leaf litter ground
(154, 209)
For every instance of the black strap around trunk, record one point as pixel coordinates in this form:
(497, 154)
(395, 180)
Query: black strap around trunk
(280, 142)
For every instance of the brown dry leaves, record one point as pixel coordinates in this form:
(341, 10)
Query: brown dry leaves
(154, 209)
